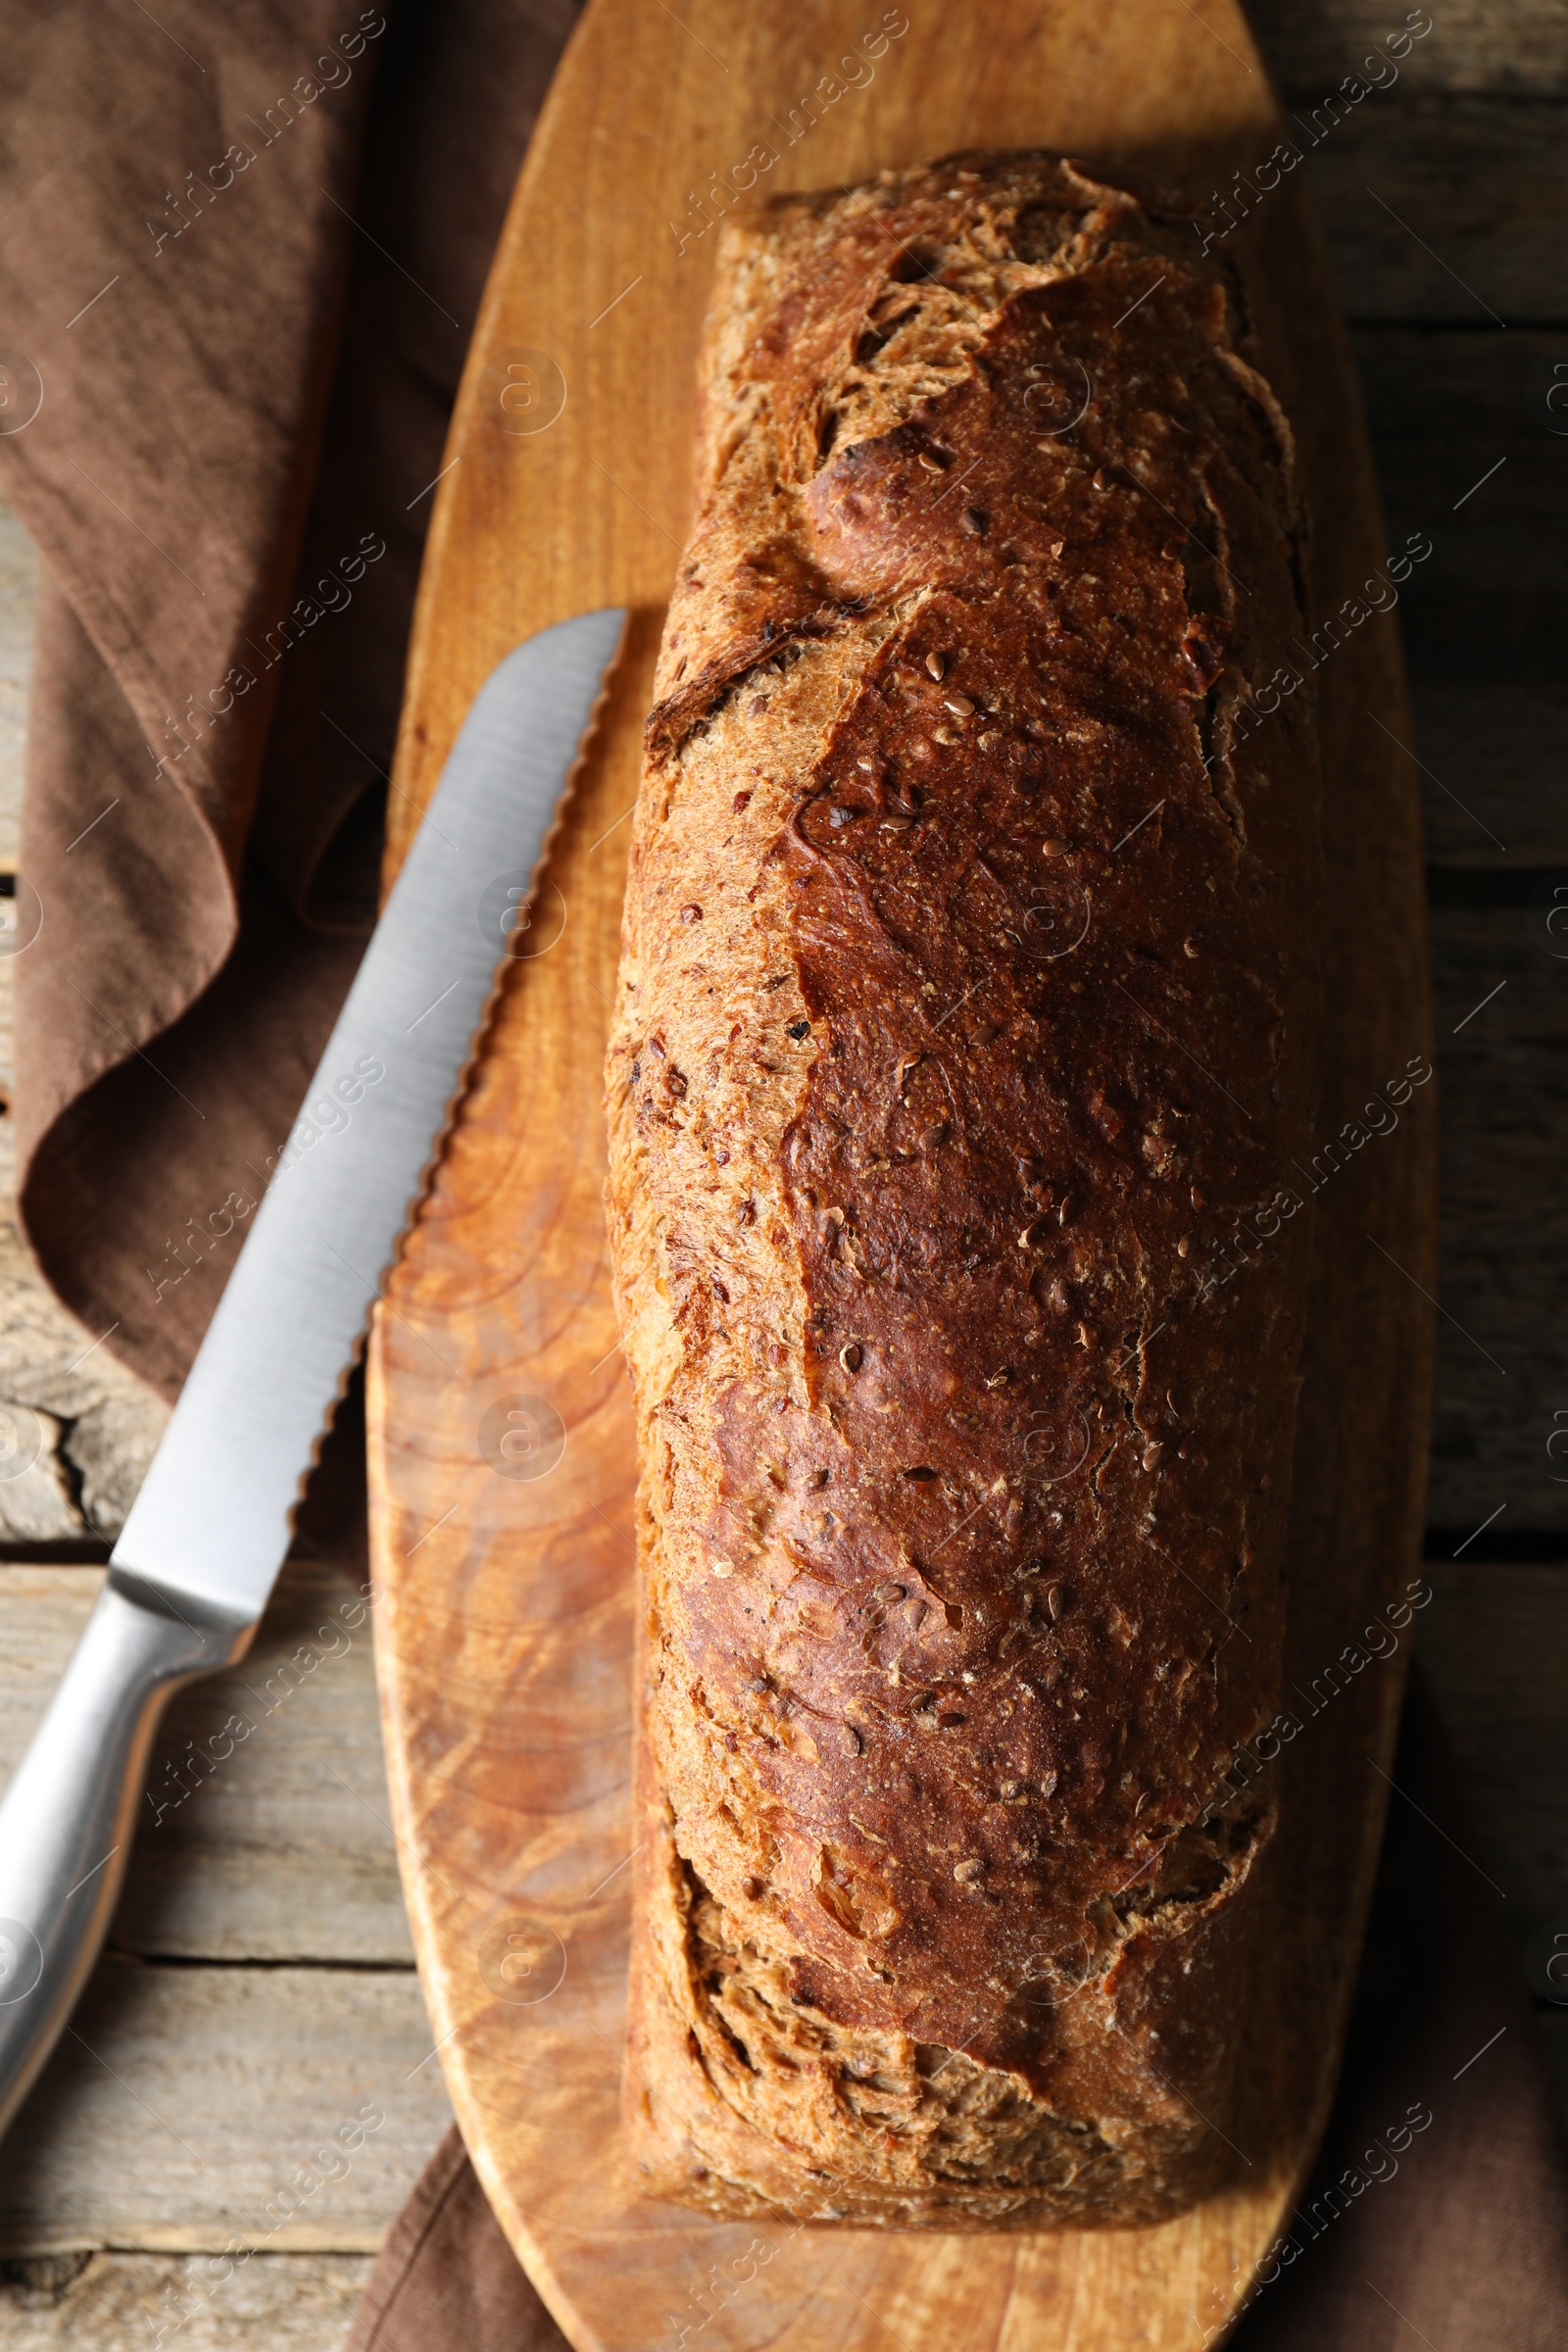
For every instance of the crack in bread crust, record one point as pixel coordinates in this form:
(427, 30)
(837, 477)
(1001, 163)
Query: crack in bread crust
(968, 1006)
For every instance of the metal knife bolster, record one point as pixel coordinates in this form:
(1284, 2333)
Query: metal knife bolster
(191, 1573)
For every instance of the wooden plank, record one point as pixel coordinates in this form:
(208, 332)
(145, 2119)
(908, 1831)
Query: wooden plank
(281, 1849)
(1447, 210)
(43, 1610)
(188, 2109)
(93, 1424)
(1495, 1642)
(1439, 210)
(1475, 45)
(1494, 757)
(265, 1832)
(115, 2302)
(1446, 407)
(1502, 1105)
(86, 1427)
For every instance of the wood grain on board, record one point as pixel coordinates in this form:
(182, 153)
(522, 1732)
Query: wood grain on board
(504, 1641)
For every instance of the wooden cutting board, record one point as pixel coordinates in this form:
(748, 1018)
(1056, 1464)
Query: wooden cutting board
(501, 1431)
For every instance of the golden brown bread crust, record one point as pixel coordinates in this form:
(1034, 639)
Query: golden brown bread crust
(968, 1004)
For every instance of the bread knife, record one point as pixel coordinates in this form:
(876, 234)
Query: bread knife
(191, 1573)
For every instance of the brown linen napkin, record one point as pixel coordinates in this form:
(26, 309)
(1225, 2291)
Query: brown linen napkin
(1435, 2215)
(446, 2281)
(241, 255)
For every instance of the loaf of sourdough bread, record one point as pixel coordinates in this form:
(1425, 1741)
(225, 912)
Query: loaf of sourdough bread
(967, 1029)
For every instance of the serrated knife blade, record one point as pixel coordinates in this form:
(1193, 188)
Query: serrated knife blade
(209, 1530)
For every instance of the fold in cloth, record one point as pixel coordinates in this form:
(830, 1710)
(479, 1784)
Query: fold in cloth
(234, 321)
(446, 2275)
(240, 314)
(1434, 2214)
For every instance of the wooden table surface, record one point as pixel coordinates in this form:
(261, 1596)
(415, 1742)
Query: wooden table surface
(260, 1988)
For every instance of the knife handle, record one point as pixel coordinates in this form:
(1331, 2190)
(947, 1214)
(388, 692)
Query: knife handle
(67, 1822)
